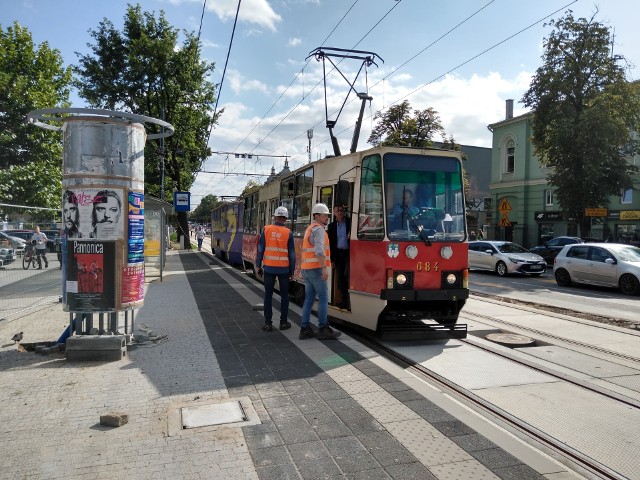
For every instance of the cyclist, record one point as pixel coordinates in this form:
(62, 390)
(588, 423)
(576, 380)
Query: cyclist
(39, 239)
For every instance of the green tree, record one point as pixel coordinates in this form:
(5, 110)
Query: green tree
(583, 110)
(250, 187)
(144, 70)
(397, 127)
(202, 213)
(31, 77)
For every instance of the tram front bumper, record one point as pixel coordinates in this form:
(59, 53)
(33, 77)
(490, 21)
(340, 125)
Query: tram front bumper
(401, 295)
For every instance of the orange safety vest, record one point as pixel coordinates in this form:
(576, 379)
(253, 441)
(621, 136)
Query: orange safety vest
(276, 240)
(309, 259)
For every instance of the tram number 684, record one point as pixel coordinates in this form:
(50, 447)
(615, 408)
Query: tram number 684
(427, 267)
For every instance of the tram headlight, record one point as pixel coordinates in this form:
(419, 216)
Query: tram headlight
(446, 252)
(451, 279)
(401, 279)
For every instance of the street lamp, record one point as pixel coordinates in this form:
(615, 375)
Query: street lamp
(310, 136)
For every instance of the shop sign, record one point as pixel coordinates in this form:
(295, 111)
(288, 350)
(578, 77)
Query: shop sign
(630, 215)
(548, 216)
(595, 212)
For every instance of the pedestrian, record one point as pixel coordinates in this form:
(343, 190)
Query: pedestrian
(472, 235)
(316, 259)
(339, 239)
(480, 234)
(39, 240)
(200, 236)
(276, 260)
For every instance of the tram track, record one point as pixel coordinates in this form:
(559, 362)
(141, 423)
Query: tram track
(578, 460)
(575, 317)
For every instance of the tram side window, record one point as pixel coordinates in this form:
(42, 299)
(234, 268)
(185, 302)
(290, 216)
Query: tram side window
(251, 214)
(370, 217)
(302, 202)
(286, 197)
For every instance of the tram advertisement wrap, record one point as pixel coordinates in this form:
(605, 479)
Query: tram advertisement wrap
(90, 276)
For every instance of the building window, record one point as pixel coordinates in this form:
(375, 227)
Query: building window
(548, 198)
(508, 155)
(626, 195)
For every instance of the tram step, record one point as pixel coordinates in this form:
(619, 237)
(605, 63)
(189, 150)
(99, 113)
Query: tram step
(422, 331)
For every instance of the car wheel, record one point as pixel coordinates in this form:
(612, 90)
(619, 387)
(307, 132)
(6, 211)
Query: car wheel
(563, 278)
(501, 269)
(629, 285)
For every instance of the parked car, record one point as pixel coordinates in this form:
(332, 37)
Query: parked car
(27, 234)
(15, 243)
(7, 255)
(604, 264)
(550, 249)
(504, 258)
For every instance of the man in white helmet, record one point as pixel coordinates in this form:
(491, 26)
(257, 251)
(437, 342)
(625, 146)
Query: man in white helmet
(316, 261)
(276, 259)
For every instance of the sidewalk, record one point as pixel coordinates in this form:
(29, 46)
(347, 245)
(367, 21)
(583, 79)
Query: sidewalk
(315, 409)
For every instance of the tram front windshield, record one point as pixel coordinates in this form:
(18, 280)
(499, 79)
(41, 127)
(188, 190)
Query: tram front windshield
(424, 198)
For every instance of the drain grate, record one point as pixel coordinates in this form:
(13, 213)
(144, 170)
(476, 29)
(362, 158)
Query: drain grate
(214, 414)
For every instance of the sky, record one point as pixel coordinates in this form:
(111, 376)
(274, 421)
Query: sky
(463, 58)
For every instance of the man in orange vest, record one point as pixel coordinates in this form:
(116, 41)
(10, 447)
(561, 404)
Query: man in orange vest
(276, 259)
(316, 261)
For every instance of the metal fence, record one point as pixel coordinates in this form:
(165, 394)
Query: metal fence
(24, 287)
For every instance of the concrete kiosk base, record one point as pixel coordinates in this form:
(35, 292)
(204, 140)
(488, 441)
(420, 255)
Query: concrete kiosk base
(96, 348)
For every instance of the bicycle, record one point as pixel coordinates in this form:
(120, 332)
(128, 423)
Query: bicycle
(29, 259)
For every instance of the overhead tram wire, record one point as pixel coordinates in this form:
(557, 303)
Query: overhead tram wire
(346, 129)
(317, 84)
(483, 52)
(282, 94)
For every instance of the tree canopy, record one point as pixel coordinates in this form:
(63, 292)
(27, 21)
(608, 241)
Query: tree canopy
(143, 69)
(397, 127)
(202, 213)
(583, 113)
(31, 77)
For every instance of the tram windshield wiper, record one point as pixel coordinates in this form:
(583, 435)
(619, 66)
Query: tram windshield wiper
(419, 228)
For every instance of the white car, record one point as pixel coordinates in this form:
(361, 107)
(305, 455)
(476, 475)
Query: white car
(504, 258)
(605, 264)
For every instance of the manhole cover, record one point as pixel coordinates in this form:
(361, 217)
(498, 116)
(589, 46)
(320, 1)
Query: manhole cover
(510, 339)
(216, 414)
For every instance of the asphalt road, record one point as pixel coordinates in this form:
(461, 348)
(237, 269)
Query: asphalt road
(544, 290)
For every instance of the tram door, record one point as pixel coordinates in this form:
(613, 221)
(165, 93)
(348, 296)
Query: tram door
(342, 199)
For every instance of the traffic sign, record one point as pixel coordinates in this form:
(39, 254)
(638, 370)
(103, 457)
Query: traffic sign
(504, 222)
(503, 206)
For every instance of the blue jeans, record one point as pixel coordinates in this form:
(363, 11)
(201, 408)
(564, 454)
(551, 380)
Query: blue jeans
(314, 285)
(200, 243)
(269, 283)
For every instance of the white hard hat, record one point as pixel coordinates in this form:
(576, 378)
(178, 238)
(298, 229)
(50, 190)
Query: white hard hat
(320, 208)
(281, 212)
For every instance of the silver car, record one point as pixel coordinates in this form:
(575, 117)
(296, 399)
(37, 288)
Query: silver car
(16, 243)
(504, 258)
(605, 264)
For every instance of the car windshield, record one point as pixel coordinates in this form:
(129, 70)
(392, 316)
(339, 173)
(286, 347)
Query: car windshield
(629, 254)
(511, 248)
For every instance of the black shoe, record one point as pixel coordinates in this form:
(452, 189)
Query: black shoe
(267, 327)
(327, 333)
(46, 266)
(305, 333)
(285, 325)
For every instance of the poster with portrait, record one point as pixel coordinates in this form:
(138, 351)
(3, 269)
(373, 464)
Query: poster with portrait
(93, 213)
(90, 276)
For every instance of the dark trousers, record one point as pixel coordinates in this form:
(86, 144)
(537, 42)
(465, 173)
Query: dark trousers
(341, 264)
(41, 254)
(269, 284)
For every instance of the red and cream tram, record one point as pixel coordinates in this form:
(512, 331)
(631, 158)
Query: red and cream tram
(408, 240)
